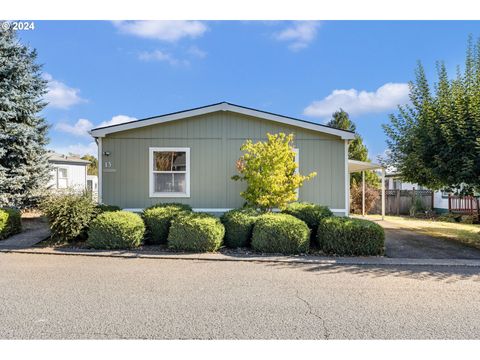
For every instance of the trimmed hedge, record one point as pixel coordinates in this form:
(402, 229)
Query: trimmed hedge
(196, 232)
(310, 213)
(116, 230)
(348, 236)
(239, 226)
(101, 208)
(158, 219)
(184, 207)
(69, 214)
(10, 222)
(280, 233)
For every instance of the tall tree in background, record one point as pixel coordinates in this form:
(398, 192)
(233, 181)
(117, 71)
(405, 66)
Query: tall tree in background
(435, 140)
(356, 149)
(92, 168)
(24, 168)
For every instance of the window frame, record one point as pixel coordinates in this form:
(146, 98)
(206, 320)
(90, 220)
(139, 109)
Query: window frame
(57, 171)
(151, 177)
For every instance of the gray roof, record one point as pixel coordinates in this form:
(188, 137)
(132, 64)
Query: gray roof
(54, 157)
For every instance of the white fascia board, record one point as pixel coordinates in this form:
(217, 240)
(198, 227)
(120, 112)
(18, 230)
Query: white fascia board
(101, 132)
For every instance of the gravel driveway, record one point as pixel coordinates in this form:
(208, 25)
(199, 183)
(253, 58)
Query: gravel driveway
(78, 297)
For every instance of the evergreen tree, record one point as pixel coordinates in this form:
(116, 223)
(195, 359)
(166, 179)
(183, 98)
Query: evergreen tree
(356, 149)
(435, 140)
(24, 167)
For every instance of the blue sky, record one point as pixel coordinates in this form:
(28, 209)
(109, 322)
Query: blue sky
(109, 72)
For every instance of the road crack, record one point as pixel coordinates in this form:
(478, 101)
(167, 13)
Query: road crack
(326, 333)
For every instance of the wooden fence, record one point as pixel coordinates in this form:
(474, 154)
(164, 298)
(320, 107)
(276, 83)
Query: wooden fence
(464, 205)
(399, 202)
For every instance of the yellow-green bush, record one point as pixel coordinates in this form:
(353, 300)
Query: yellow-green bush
(10, 222)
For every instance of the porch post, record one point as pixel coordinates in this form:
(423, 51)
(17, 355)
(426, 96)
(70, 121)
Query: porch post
(363, 193)
(383, 194)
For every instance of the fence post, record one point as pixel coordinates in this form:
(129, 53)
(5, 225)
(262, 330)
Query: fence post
(397, 200)
(432, 195)
(449, 203)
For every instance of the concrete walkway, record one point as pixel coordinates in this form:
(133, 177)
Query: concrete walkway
(27, 238)
(406, 243)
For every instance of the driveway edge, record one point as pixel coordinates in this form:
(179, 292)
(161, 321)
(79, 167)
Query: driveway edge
(315, 260)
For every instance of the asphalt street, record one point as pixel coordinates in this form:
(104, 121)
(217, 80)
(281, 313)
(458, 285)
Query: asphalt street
(78, 297)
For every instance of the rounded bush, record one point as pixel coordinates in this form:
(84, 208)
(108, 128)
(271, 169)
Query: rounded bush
(116, 230)
(280, 233)
(310, 213)
(348, 236)
(158, 219)
(10, 222)
(179, 206)
(239, 226)
(196, 232)
(101, 208)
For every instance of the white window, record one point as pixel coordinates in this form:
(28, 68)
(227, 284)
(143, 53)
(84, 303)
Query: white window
(62, 178)
(169, 172)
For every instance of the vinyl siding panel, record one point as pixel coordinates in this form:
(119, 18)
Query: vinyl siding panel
(214, 141)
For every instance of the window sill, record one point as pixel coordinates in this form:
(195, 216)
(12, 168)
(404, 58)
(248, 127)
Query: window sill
(169, 195)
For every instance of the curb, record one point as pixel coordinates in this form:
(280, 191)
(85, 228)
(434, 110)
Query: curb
(312, 260)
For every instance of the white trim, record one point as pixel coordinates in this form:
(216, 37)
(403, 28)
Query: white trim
(100, 170)
(347, 182)
(152, 193)
(101, 132)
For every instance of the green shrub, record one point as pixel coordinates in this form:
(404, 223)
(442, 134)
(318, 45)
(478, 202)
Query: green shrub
(469, 219)
(239, 226)
(310, 213)
(196, 232)
(449, 217)
(348, 236)
(280, 233)
(158, 219)
(116, 230)
(10, 222)
(68, 213)
(101, 208)
(179, 206)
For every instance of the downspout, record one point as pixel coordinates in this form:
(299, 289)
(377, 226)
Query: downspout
(347, 181)
(100, 162)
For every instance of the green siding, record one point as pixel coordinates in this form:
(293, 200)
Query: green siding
(214, 142)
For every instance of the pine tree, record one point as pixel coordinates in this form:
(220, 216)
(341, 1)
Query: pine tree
(24, 167)
(356, 149)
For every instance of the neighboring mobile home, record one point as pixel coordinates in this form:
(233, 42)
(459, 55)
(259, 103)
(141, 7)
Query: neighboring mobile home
(67, 171)
(189, 157)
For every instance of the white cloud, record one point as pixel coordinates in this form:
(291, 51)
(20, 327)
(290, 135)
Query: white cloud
(78, 149)
(170, 31)
(60, 95)
(117, 119)
(197, 52)
(80, 128)
(158, 55)
(299, 35)
(386, 97)
(83, 126)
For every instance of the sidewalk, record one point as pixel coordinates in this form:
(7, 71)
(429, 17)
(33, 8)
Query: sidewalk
(26, 239)
(320, 260)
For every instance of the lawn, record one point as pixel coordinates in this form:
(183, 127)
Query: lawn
(464, 233)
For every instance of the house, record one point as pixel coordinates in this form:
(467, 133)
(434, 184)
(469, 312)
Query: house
(67, 171)
(189, 157)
